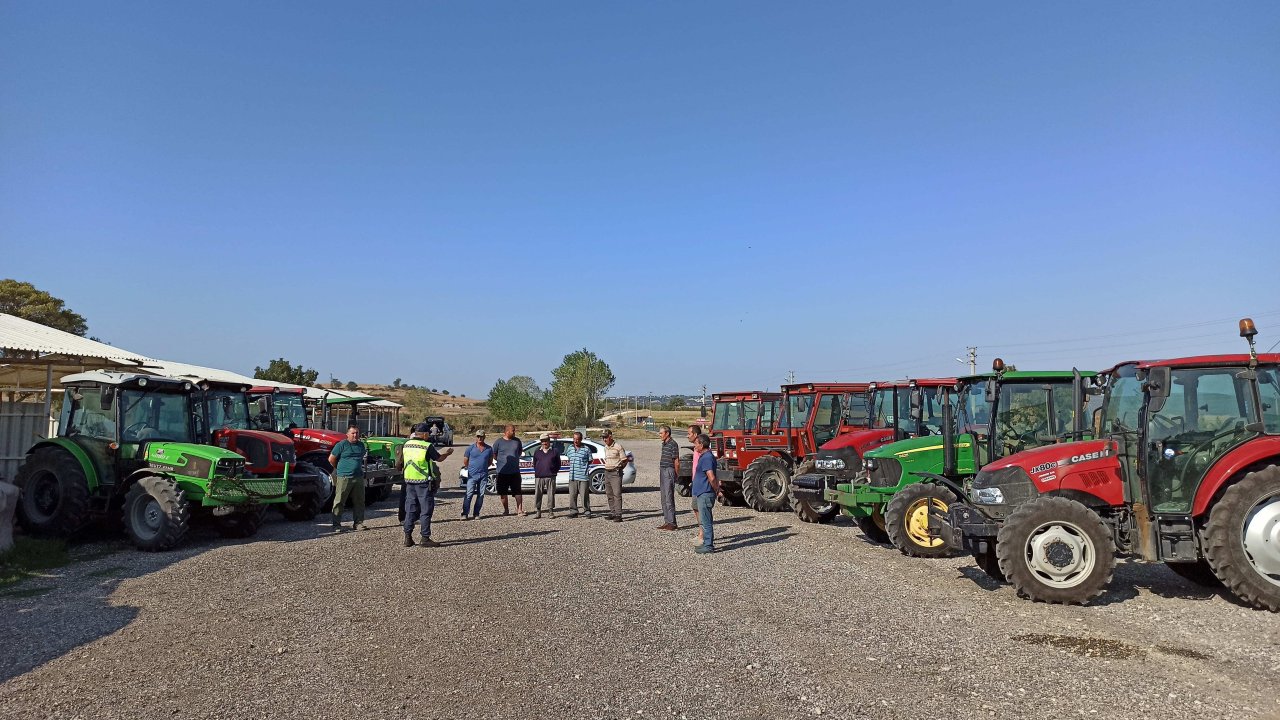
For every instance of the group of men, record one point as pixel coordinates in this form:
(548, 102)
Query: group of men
(417, 459)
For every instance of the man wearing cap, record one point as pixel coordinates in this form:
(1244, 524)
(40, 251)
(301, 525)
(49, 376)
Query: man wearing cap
(421, 479)
(615, 459)
(579, 481)
(477, 456)
(546, 467)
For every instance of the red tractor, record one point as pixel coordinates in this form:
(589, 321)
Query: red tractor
(1185, 471)
(896, 412)
(284, 411)
(809, 415)
(733, 415)
(227, 415)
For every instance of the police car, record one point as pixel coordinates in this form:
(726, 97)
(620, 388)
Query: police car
(595, 473)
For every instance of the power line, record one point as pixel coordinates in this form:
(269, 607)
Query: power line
(1129, 334)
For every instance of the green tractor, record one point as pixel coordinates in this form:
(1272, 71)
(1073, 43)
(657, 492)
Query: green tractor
(130, 444)
(989, 416)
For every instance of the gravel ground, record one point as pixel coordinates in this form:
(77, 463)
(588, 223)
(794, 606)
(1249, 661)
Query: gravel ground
(519, 618)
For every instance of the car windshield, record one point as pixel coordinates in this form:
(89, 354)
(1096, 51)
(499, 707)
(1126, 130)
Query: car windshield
(795, 411)
(156, 415)
(227, 410)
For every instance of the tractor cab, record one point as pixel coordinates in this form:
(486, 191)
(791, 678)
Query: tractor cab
(1185, 471)
(736, 414)
(380, 451)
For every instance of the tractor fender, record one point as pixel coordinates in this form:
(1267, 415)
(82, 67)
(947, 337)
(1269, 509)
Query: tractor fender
(1232, 466)
(140, 473)
(77, 452)
(946, 482)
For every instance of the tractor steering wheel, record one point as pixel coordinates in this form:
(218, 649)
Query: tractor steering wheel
(1172, 424)
(131, 432)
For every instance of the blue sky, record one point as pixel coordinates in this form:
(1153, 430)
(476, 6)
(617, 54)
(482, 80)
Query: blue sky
(708, 192)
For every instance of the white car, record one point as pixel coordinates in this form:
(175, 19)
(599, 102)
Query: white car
(595, 474)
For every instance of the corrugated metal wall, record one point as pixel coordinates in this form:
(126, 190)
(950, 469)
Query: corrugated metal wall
(21, 425)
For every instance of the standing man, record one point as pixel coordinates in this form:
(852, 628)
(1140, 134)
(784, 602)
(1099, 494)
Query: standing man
(546, 467)
(579, 461)
(615, 459)
(421, 480)
(477, 457)
(694, 431)
(668, 465)
(347, 461)
(506, 452)
(706, 488)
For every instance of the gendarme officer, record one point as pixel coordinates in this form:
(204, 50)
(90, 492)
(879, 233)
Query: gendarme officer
(417, 460)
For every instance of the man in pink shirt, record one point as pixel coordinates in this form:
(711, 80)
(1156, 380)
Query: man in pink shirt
(694, 432)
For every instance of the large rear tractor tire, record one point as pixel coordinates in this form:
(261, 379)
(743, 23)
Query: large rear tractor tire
(766, 483)
(241, 523)
(873, 526)
(156, 514)
(906, 520)
(306, 506)
(1197, 572)
(1056, 550)
(1242, 539)
(376, 494)
(55, 494)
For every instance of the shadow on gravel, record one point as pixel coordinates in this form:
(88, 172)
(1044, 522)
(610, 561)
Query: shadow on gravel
(491, 538)
(759, 537)
(980, 578)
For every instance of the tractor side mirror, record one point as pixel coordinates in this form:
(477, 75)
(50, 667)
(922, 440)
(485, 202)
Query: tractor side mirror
(916, 402)
(1157, 387)
(106, 397)
(991, 390)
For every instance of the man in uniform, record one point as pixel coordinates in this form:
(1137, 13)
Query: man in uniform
(416, 459)
(615, 459)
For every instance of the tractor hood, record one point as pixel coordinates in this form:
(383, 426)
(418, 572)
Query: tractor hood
(194, 461)
(1050, 463)
(909, 446)
(169, 451)
(860, 440)
(263, 435)
(327, 438)
(383, 447)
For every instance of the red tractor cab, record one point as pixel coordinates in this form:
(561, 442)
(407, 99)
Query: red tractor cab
(1186, 471)
(809, 416)
(284, 410)
(897, 410)
(226, 416)
(733, 416)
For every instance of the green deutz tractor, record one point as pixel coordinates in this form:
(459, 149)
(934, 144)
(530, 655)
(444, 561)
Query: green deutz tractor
(129, 444)
(995, 414)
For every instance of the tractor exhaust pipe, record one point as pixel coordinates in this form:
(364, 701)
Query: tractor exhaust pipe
(948, 435)
(1077, 406)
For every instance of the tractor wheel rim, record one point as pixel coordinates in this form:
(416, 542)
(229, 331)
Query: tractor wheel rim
(1060, 554)
(917, 522)
(1261, 538)
(772, 483)
(148, 518)
(877, 517)
(45, 494)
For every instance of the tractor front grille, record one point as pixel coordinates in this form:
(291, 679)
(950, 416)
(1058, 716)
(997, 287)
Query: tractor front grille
(887, 473)
(241, 490)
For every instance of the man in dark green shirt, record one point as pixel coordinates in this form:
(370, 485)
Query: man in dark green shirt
(347, 460)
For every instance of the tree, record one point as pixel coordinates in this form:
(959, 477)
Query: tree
(29, 303)
(279, 370)
(675, 403)
(578, 385)
(334, 382)
(396, 384)
(514, 399)
(351, 385)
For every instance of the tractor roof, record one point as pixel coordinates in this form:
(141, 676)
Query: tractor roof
(1015, 375)
(107, 377)
(1237, 359)
(922, 382)
(731, 395)
(803, 388)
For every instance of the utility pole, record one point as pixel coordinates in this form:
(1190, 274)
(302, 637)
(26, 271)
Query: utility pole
(973, 360)
(704, 402)
(791, 377)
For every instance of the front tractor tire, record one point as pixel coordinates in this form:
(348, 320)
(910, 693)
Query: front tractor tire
(302, 507)
(1242, 539)
(873, 526)
(242, 523)
(55, 494)
(766, 484)
(906, 520)
(1056, 550)
(156, 513)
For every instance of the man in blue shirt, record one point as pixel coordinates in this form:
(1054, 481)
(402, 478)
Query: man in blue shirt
(477, 457)
(347, 461)
(579, 481)
(705, 490)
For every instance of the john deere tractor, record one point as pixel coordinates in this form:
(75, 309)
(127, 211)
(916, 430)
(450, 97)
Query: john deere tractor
(995, 414)
(380, 457)
(129, 445)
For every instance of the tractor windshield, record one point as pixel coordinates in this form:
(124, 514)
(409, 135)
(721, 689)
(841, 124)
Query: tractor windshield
(736, 415)
(1023, 416)
(973, 412)
(1123, 402)
(930, 411)
(156, 415)
(289, 412)
(795, 411)
(227, 410)
(882, 409)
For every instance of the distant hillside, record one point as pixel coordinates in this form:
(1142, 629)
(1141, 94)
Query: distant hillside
(398, 394)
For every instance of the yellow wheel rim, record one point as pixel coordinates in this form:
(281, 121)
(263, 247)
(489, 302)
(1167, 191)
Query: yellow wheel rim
(917, 522)
(877, 517)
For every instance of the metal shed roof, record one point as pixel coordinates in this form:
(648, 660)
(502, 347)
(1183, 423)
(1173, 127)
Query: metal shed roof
(29, 352)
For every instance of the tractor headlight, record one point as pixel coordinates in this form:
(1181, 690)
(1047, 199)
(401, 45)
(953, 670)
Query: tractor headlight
(869, 463)
(829, 464)
(988, 496)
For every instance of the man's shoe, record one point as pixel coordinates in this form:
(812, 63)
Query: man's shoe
(551, 515)
(587, 514)
(667, 526)
(408, 539)
(573, 515)
(616, 518)
(537, 515)
(428, 542)
(704, 550)
(360, 526)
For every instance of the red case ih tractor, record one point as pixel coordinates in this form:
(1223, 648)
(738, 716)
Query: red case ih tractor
(809, 416)
(1185, 471)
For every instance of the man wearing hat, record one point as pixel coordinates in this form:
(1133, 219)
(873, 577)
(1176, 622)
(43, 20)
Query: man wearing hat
(615, 459)
(477, 456)
(546, 467)
(421, 479)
